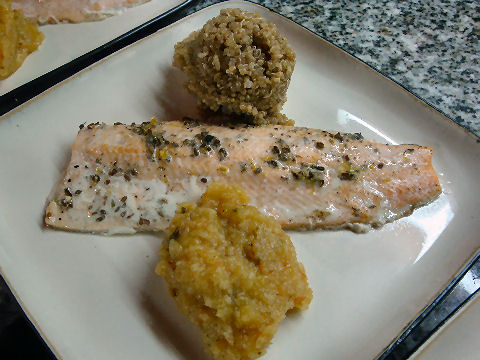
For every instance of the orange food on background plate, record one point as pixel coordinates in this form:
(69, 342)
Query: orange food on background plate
(18, 38)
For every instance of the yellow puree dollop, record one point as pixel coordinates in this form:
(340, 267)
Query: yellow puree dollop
(233, 271)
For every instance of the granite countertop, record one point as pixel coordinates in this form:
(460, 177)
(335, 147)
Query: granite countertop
(431, 48)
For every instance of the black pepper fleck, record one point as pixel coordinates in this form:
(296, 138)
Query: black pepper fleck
(222, 154)
(347, 176)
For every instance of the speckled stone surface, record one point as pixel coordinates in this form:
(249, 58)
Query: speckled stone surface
(430, 47)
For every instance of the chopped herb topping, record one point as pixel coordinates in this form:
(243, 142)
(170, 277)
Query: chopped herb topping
(283, 151)
(143, 221)
(222, 154)
(354, 136)
(93, 125)
(95, 178)
(320, 214)
(272, 163)
(189, 122)
(338, 136)
(347, 175)
(155, 142)
(313, 173)
(66, 203)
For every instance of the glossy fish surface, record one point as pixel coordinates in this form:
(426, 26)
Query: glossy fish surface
(127, 178)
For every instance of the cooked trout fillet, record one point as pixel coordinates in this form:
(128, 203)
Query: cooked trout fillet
(126, 178)
(75, 11)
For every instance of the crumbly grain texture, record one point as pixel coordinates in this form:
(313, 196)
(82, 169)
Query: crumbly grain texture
(232, 271)
(18, 38)
(238, 64)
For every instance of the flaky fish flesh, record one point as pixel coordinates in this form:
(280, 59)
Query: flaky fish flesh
(75, 11)
(127, 178)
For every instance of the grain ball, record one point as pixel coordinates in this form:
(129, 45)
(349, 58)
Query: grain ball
(238, 64)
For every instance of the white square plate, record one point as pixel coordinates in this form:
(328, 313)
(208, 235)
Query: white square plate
(65, 42)
(97, 297)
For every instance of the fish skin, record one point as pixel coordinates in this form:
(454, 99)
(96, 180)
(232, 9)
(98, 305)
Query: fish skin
(76, 11)
(312, 179)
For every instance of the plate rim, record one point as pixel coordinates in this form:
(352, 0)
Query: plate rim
(30, 319)
(406, 344)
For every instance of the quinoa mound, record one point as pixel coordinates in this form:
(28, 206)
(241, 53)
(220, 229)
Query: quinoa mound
(238, 64)
(233, 271)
